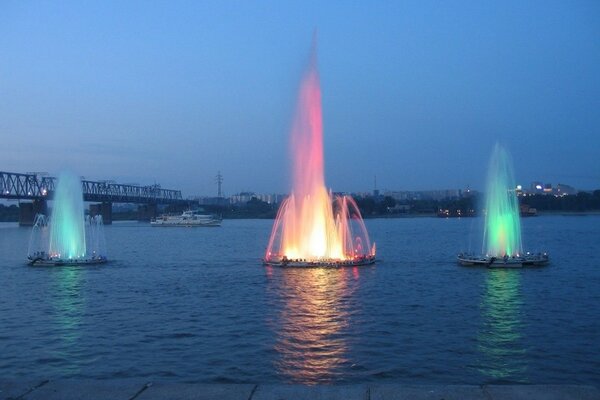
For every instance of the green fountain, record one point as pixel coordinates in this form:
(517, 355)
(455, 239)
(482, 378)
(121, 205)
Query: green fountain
(502, 245)
(67, 231)
(68, 237)
(502, 234)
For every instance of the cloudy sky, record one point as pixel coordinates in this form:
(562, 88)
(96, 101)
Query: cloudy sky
(416, 93)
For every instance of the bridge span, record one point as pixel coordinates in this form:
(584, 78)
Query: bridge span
(35, 190)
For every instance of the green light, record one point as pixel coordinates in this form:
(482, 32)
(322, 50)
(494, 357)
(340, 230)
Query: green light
(502, 221)
(500, 339)
(67, 230)
(68, 300)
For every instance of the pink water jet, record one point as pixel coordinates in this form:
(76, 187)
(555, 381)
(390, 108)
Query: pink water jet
(312, 226)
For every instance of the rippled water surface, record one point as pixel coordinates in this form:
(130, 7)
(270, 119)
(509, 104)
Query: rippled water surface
(196, 305)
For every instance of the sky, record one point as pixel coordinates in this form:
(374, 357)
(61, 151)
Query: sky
(415, 93)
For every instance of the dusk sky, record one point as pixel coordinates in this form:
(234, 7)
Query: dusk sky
(416, 93)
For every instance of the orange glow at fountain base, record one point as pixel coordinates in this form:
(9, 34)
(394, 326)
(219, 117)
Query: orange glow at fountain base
(319, 230)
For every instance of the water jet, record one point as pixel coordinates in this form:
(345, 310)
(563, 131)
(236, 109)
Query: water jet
(68, 237)
(313, 227)
(502, 244)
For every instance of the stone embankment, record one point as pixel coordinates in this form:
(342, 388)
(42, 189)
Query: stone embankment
(136, 389)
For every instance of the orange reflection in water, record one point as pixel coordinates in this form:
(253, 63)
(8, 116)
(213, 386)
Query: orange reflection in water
(310, 332)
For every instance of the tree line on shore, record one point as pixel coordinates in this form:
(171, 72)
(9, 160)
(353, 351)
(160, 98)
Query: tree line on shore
(382, 206)
(386, 206)
(9, 213)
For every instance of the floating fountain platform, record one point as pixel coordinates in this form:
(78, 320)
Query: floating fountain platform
(304, 263)
(42, 261)
(518, 261)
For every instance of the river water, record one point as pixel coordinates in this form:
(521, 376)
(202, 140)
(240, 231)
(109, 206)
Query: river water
(196, 305)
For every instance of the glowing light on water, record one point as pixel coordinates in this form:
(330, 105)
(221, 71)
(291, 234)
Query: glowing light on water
(69, 303)
(68, 234)
(311, 335)
(311, 224)
(502, 235)
(500, 340)
(67, 231)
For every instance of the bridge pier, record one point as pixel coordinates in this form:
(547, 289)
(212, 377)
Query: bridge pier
(104, 209)
(28, 211)
(147, 211)
(177, 208)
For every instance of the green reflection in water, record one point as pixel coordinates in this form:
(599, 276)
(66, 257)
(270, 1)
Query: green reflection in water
(68, 302)
(499, 340)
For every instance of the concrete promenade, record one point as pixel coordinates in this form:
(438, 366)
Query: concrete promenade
(140, 389)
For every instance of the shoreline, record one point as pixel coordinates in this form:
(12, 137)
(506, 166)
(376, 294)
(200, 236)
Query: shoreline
(141, 389)
(401, 216)
(569, 213)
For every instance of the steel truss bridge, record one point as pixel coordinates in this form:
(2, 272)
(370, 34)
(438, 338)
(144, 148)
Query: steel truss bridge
(37, 187)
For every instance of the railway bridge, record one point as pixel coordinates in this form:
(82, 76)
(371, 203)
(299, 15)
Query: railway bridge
(33, 191)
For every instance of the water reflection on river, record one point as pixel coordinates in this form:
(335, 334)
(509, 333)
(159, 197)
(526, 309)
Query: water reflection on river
(198, 306)
(311, 323)
(500, 338)
(68, 305)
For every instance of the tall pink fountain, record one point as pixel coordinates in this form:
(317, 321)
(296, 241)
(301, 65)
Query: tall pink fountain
(312, 227)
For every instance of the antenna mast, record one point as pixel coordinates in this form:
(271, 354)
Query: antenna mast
(219, 180)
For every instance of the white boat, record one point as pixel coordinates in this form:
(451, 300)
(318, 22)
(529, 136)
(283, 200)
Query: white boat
(518, 261)
(188, 219)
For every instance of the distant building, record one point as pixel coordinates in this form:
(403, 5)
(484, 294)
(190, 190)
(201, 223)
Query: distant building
(271, 198)
(211, 201)
(468, 193)
(443, 194)
(399, 209)
(565, 190)
(538, 187)
(244, 197)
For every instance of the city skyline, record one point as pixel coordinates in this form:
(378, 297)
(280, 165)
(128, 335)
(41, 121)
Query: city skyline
(415, 94)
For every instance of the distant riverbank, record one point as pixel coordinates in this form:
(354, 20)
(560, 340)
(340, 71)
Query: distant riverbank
(570, 213)
(13, 216)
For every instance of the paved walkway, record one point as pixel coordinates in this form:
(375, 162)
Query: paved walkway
(136, 389)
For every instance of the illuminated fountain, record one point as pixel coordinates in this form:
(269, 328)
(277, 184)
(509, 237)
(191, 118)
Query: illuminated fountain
(502, 246)
(68, 238)
(502, 234)
(313, 227)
